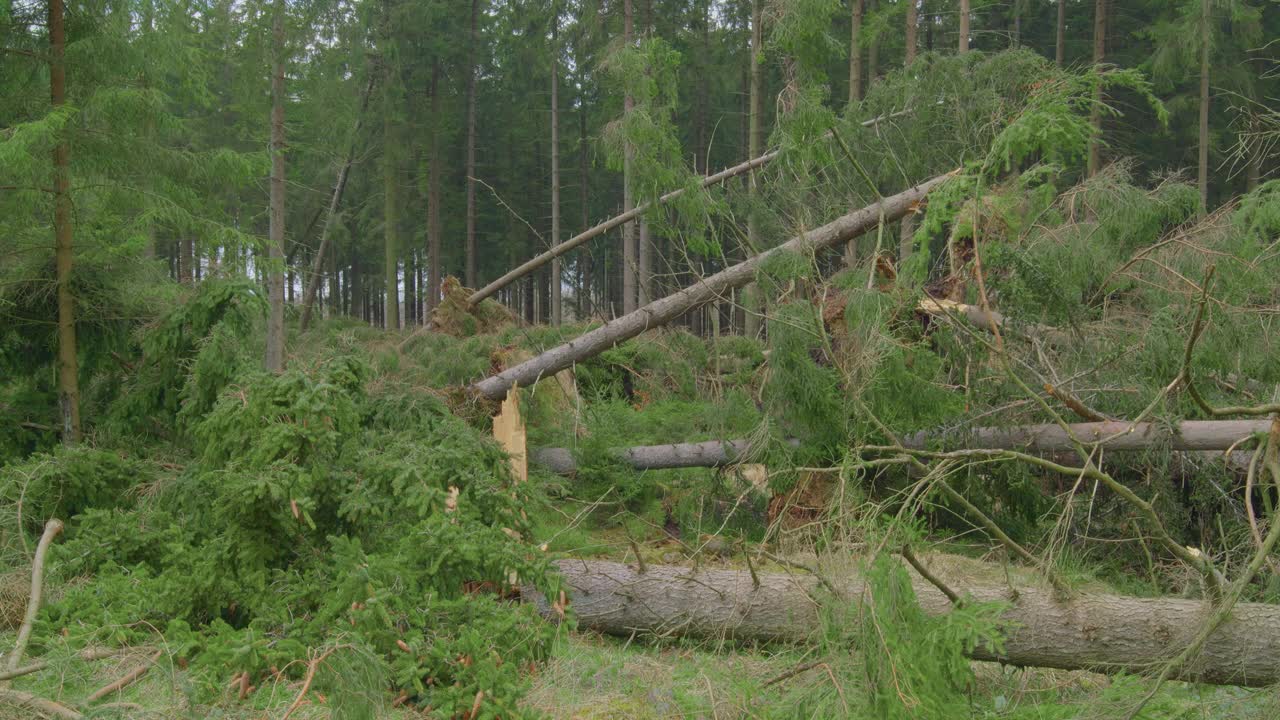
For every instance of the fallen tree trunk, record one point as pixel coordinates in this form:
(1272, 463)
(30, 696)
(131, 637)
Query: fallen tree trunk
(1102, 633)
(662, 311)
(711, 453)
(626, 217)
(1118, 435)
(1209, 437)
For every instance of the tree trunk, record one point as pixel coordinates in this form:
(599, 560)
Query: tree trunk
(1206, 436)
(68, 364)
(556, 310)
(1095, 114)
(1100, 633)
(708, 289)
(472, 277)
(629, 255)
(584, 258)
(964, 26)
(873, 52)
(274, 360)
(1059, 49)
(1206, 28)
(1051, 438)
(752, 301)
(855, 52)
(313, 283)
(390, 211)
(186, 260)
(912, 22)
(435, 266)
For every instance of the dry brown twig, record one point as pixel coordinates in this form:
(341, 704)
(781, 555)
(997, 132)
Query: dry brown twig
(306, 682)
(125, 681)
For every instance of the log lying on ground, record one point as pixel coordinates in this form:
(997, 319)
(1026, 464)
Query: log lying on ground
(1118, 435)
(1210, 437)
(626, 217)
(711, 453)
(673, 306)
(1102, 633)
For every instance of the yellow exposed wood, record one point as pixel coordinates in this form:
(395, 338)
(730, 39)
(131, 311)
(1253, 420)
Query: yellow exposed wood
(508, 430)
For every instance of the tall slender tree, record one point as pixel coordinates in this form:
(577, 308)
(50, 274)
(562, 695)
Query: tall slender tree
(1059, 48)
(1095, 115)
(964, 26)
(855, 50)
(556, 309)
(751, 300)
(471, 250)
(913, 22)
(68, 369)
(274, 360)
(629, 230)
(435, 267)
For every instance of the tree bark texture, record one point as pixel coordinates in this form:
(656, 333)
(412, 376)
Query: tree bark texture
(752, 302)
(855, 51)
(1095, 114)
(1095, 632)
(390, 212)
(274, 359)
(435, 266)
(1059, 49)
(629, 255)
(556, 309)
(964, 26)
(663, 311)
(471, 273)
(68, 364)
(1206, 30)
(1116, 435)
(912, 22)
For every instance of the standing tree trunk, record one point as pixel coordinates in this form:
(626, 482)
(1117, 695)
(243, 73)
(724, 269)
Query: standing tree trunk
(752, 302)
(274, 360)
(912, 22)
(472, 277)
(584, 257)
(873, 51)
(186, 260)
(68, 367)
(1060, 50)
(390, 213)
(964, 26)
(436, 265)
(855, 52)
(556, 309)
(1206, 28)
(629, 255)
(1095, 114)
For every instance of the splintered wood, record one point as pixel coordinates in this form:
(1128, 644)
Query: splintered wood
(508, 430)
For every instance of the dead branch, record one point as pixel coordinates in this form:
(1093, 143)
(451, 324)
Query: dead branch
(52, 529)
(128, 679)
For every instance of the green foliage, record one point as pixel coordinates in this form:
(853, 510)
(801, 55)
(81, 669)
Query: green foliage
(916, 664)
(319, 510)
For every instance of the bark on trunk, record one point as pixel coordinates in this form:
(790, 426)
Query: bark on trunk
(663, 311)
(390, 214)
(435, 265)
(1210, 437)
(1059, 49)
(1095, 114)
(68, 364)
(912, 22)
(472, 277)
(1100, 633)
(873, 52)
(1206, 18)
(313, 283)
(1188, 435)
(964, 26)
(629, 255)
(711, 453)
(855, 52)
(752, 302)
(274, 358)
(556, 314)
